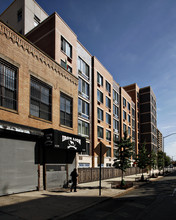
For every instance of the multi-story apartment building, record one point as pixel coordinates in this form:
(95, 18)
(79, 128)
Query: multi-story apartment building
(133, 91)
(148, 119)
(36, 93)
(102, 108)
(159, 140)
(84, 69)
(23, 15)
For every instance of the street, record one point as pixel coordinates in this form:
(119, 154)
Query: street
(155, 200)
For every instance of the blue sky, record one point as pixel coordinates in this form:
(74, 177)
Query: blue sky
(135, 40)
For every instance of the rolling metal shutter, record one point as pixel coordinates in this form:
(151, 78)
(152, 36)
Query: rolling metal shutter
(18, 171)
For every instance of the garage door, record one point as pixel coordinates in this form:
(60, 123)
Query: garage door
(18, 172)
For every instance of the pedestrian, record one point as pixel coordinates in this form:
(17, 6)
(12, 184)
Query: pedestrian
(74, 176)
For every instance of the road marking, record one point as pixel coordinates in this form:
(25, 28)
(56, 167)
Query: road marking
(173, 194)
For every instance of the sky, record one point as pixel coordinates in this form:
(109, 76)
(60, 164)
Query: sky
(135, 40)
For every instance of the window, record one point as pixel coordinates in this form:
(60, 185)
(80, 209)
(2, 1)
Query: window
(108, 135)
(124, 128)
(99, 96)
(87, 152)
(83, 88)
(66, 108)
(99, 79)
(83, 67)
(108, 153)
(133, 112)
(19, 15)
(66, 66)
(40, 99)
(8, 85)
(129, 131)
(108, 102)
(128, 105)
(133, 135)
(108, 119)
(115, 97)
(133, 123)
(108, 87)
(83, 108)
(36, 20)
(124, 115)
(115, 138)
(66, 47)
(100, 132)
(115, 125)
(124, 102)
(115, 111)
(100, 114)
(129, 118)
(83, 128)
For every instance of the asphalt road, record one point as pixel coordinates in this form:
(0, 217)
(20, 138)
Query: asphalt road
(155, 200)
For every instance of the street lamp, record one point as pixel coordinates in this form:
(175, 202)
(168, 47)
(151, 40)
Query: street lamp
(163, 147)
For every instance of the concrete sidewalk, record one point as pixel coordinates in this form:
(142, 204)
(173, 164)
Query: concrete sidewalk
(59, 204)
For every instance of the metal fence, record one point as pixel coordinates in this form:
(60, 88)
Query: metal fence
(92, 174)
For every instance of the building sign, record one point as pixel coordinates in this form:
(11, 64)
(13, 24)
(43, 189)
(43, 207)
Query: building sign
(63, 140)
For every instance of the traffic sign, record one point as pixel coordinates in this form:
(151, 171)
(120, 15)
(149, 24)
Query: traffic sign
(101, 149)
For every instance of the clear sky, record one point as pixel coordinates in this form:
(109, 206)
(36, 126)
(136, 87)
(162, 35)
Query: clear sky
(135, 40)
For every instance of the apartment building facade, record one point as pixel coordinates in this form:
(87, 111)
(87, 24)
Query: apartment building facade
(159, 140)
(148, 118)
(133, 91)
(23, 15)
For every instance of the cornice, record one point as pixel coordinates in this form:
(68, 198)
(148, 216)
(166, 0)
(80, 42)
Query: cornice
(31, 49)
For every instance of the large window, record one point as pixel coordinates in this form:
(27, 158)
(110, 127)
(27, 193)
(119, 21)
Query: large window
(99, 79)
(66, 66)
(66, 110)
(124, 102)
(83, 67)
(108, 153)
(115, 125)
(128, 105)
(124, 115)
(83, 128)
(108, 87)
(108, 119)
(66, 47)
(100, 132)
(99, 96)
(8, 85)
(40, 99)
(108, 102)
(115, 96)
(87, 152)
(115, 111)
(124, 128)
(108, 135)
(100, 114)
(83, 88)
(83, 108)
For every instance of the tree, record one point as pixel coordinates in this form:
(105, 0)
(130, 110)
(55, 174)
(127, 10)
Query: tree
(160, 160)
(123, 155)
(142, 159)
(152, 160)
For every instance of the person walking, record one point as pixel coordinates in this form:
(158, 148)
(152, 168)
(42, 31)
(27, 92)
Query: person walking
(74, 176)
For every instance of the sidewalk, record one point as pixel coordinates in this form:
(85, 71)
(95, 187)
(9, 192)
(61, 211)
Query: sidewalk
(57, 205)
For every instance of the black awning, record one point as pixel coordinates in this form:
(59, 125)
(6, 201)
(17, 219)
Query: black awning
(65, 141)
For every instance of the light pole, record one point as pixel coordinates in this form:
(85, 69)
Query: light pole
(163, 147)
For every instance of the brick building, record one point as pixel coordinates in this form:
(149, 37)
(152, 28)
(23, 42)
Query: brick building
(36, 93)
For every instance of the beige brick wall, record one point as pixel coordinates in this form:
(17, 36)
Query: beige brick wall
(31, 61)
